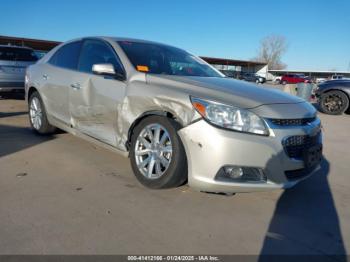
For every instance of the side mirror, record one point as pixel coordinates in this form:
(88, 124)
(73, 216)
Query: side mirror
(107, 70)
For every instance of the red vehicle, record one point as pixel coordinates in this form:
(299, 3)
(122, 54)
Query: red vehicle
(294, 79)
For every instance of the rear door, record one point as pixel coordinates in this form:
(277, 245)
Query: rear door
(57, 77)
(94, 99)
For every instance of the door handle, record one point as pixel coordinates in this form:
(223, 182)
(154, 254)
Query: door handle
(45, 77)
(75, 86)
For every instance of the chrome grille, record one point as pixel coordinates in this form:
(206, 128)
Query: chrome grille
(293, 122)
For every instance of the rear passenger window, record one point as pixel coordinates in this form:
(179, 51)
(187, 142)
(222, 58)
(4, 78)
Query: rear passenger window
(67, 56)
(97, 52)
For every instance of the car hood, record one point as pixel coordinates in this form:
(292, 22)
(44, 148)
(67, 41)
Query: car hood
(226, 90)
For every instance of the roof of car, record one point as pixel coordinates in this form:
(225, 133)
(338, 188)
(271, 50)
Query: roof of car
(126, 39)
(117, 39)
(339, 80)
(336, 82)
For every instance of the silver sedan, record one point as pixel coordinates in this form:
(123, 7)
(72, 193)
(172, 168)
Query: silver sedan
(174, 115)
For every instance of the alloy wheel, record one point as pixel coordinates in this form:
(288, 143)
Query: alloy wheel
(35, 112)
(333, 103)
(153, 151)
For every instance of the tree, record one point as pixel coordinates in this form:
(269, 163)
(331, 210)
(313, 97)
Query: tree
(271, 51)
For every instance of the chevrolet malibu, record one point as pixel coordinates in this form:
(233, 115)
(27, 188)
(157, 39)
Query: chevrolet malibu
(175, 116)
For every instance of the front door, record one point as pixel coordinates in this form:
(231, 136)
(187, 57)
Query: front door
(94, 99)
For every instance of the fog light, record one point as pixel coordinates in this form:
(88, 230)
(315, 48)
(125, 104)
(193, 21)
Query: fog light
(241, 174)
(233, 172)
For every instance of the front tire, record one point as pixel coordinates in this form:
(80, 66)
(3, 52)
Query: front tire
(334, 103)
(37, 115)
(157, 155)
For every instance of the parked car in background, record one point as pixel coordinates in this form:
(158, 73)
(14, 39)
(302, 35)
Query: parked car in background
(277, 79)
(174, 115)
(333, 96)
(309, 79)
(294, 79)
(230, 73)
(336, 77)
(333, 77)
(13, 63)
(252, 77)
(320, 80)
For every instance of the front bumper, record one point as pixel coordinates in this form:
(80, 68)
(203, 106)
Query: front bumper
(209, 148)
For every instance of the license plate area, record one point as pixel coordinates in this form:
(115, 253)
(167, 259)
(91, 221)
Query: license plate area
(313, 156)
(13, 69)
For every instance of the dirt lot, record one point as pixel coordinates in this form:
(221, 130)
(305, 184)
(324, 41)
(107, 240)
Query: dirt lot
(62, 195)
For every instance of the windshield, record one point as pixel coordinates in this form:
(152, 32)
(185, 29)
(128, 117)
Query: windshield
(161, 59)
(17, 54)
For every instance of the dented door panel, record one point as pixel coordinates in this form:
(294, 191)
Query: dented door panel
(94, 106)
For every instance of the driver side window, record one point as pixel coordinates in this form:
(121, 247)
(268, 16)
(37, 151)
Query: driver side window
(97, 52)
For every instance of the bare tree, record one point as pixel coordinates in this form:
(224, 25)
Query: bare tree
(271, 51)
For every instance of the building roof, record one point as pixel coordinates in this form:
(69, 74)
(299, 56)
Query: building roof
(234, 62)
(310, 71)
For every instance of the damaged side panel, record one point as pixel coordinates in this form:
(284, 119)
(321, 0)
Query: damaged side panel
(107, 108)
(93, 106)
(140, 99)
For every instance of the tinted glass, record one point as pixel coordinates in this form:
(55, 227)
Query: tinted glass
(40, 54)
(97, 52)
(161, 59)
(17, 54)
(67, 56)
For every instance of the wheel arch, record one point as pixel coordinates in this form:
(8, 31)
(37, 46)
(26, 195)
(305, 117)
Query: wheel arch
(143, 116)
(31, 90)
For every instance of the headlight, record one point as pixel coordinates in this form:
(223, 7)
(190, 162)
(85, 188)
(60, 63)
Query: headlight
(230, 117)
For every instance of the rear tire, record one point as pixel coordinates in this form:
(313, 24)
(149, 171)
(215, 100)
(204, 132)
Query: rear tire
(334, 103)
(157, 155)
(37, 115)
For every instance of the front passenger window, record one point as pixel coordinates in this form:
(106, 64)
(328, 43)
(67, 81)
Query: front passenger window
(97, 52)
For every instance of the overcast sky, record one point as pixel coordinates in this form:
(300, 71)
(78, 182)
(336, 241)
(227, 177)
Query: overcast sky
(318, 31)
